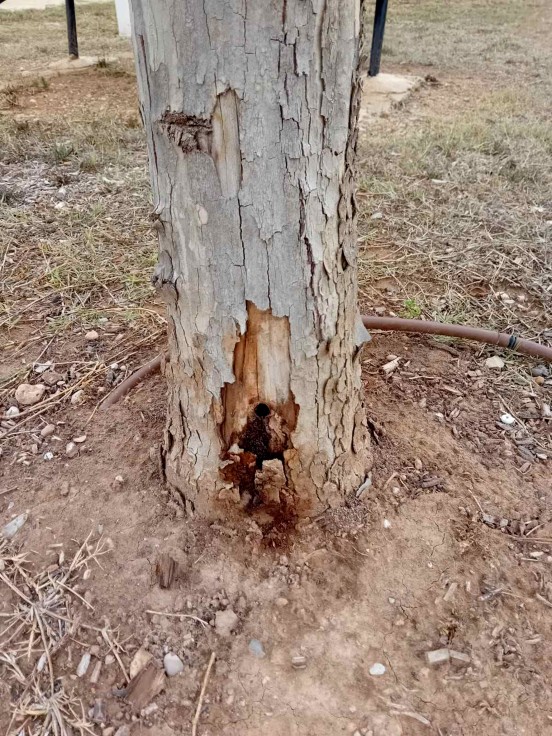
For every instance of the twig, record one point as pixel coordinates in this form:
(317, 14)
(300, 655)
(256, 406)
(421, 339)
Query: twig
(475, 499)
(8, 490)
(543, 600)
(108, 641)
(202, 694)
(180, 616)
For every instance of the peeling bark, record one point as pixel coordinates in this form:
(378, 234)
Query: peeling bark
(250, 111)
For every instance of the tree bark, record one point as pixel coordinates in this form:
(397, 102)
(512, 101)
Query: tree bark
(250, 109)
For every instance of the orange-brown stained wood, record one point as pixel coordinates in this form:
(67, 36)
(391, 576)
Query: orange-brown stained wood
(262, 375)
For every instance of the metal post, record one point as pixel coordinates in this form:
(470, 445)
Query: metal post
(72, 28)
(377, 37)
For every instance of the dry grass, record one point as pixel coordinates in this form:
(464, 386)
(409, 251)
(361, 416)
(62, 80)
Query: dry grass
(464, 185)
(34, 38)
(472, 35)
(73, 180)
(41, 624)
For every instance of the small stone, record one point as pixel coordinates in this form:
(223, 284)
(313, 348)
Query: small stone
(48, 455)
(50, 378)
(438, 656)
(281, 602)
(71, 450)
(91, 336)
(27, 394)
(418, 463)
(78, 397)
(256, 648)
(386, 524)
(299, 662)
(80, 439)
(109, 659)
(42, 367)
(391, 366)
(48, 430)
(541, 371)
(12, 412)
(507, 419)
(536, 554)
(12, 527)
(109, 731)
(494, 362)
(84, 664)
(377, 216)
(377, 669)
(65, 488)
(539, 380)
(148, 710)
(173, 664)
(225, 622)
(119, 479)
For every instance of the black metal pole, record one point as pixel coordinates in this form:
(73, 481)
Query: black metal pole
(377, 37)
(72, 28)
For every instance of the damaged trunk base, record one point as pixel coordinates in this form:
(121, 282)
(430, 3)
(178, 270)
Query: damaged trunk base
(251, 115)
(262, 466)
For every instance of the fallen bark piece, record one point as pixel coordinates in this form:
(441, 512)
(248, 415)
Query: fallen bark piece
(139, 661)
(166, 569)
(449, 595)
(145, 686)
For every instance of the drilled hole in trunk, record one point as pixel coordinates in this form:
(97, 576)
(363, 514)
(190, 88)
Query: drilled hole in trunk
(262, 410)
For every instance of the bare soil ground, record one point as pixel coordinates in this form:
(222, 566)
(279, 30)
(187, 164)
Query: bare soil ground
(450, 547)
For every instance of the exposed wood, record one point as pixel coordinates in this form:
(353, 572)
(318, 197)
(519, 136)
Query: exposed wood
(250, 110)
(145, 686)
(166, 569)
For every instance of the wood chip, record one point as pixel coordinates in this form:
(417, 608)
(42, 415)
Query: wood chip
(139, 661)
(166, 570)
(449, 595)
(145, 686)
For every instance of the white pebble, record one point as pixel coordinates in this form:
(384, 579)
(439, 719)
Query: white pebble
(377, 669)
(78, 397)
(386, 524)
(71, 450)
(13, 411)
(92, 335)
(173, 665)
(507, 419)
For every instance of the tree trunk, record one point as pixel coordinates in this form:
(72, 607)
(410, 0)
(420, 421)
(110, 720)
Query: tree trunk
(250, 109)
